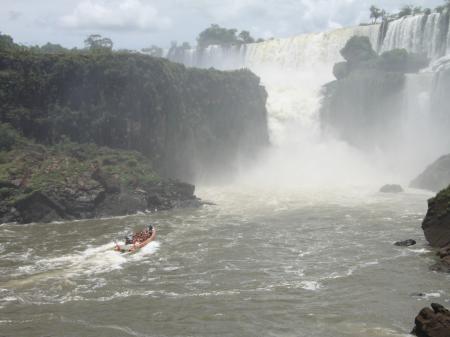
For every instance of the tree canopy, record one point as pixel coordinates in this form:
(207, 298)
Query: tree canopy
(216, 35)
(96, 42)
(154, 51)
(358, 49)
(7, 42)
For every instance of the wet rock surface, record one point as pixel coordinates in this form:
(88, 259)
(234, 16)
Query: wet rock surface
(405, 243)
(444, 263)
(436, 225)
(434, 322)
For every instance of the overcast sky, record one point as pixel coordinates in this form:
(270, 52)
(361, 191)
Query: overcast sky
(135, 24)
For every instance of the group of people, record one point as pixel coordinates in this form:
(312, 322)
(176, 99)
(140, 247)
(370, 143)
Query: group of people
(136, 240)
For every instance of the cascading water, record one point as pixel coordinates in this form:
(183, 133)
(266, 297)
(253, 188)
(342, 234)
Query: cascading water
(293, 71)
(422, 34)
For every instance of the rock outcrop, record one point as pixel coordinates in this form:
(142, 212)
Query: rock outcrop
(444, 264)
(436, 225)
(405, 243)
(363, 106)
(192, 123)
(433, 322)
(435, 177)
(72, 181)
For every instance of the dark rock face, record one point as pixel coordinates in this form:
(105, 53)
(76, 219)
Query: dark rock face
(433, 322)
(99, 202)
(391, 189)
(444, 264)
(192, 123)
(363, 106)
(73, 181)
(405, 243)
(436, 225)
(435, 177)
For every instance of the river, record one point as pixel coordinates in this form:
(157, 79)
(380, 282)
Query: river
(297, 262)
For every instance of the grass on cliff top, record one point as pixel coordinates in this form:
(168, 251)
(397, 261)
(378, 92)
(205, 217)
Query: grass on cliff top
(35, 167)
(443, 196)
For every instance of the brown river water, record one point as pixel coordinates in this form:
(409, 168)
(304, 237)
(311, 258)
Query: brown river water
(284, 263)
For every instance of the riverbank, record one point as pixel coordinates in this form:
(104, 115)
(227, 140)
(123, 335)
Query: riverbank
(71, 181)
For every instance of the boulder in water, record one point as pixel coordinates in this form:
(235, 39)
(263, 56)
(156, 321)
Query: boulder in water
(433, 322)
(405, 243)
(391, 189)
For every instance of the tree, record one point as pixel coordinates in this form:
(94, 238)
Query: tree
(154, 51)
(6, 42)
(51, 48)
(245, 37)
(375, 13)
(417, 10)
(357, 50)
(216, 35)
(405, 11)
(96, 42)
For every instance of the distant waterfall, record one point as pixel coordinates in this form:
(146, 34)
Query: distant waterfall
(422, 34)
(289, 53)
(294, 70)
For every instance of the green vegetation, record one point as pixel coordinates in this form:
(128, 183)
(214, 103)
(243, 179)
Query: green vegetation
(376, 13)
(96, 42)
(154, 51)
(357, 50)
(173, 115)
(359, 54)
(34, 167)
(216, 35)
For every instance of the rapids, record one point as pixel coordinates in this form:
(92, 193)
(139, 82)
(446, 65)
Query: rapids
(309, 262)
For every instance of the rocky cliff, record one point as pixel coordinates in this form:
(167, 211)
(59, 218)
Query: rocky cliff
(190, 122)
(435, 177)
(436, 225)
(72, 181)
(364, 105)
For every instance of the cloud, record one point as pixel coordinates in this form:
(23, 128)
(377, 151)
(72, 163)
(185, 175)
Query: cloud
(115, 15)
(14, 15)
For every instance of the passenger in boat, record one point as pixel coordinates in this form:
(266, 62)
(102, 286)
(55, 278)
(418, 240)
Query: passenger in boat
(132, 242)
(143, 235)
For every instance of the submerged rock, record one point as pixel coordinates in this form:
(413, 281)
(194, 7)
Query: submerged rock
(391, 189)
(433, 322)
(405, 243)
(435, 177)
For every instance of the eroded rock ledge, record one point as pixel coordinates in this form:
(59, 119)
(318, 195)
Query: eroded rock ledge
(73, 181)
(433, 322)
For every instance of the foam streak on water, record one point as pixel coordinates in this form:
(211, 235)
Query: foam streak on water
(318, 262)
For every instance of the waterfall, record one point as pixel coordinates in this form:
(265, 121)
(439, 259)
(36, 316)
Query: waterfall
(421, 34)
(294, 70)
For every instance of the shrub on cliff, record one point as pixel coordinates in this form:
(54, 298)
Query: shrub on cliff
(8, 137)
(358, 49)
(399, 60)
(189, 121)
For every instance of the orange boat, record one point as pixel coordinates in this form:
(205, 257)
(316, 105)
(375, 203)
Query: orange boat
(133, 244)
